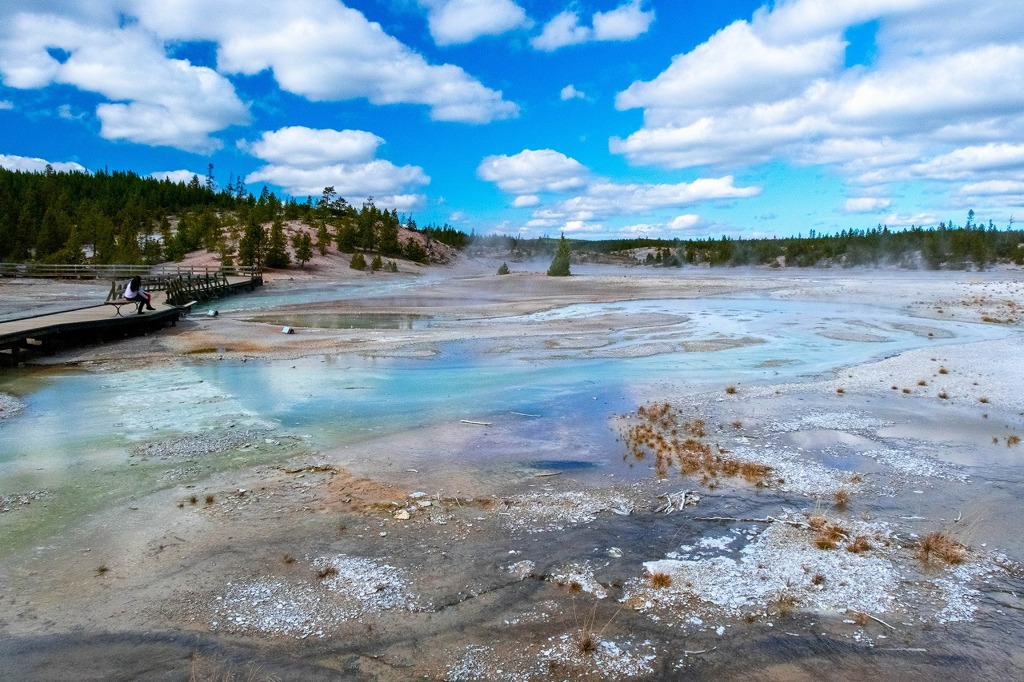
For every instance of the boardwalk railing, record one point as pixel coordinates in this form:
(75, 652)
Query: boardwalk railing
(154, 274)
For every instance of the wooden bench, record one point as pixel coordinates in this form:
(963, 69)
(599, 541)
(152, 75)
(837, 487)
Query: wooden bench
(115, 296)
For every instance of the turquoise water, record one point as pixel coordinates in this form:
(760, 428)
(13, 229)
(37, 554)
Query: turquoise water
(75, 418)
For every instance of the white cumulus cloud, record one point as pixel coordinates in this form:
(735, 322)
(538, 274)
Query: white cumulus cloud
(179, 176)
(344, 159)
(932, 105)
(152, 99)
(865, 204)
(570, 92)
(583, 200)
(32, 164)
(625, 22)
(533, 170)
(325, 51)
(454, 22)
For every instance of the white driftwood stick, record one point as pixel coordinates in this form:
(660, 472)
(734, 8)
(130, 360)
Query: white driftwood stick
(467, 421)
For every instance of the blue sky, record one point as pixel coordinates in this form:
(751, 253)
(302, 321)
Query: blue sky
(596, 118)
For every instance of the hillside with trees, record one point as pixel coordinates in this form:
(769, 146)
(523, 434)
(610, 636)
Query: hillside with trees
(121, 217)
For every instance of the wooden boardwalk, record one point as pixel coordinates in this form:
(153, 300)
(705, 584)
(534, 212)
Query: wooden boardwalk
(51, 332)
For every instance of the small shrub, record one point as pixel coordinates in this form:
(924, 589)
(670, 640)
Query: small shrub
(841, 498)
(661, 579)
(859, 544)
(358, 261)
(503, 270)
(376, 264)
(941, 545)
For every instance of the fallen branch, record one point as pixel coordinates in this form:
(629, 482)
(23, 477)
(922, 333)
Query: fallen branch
(467, 421)
(549, 473)
(524, 414)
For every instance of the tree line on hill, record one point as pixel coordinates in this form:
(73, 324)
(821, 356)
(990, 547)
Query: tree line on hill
(121, 217)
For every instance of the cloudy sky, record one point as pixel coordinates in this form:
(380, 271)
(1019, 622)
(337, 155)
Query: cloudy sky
(596, 118)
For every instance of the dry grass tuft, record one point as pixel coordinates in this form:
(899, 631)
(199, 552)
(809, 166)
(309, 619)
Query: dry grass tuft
(906, 390)
(943, 395)
(209, 499)
(288, 559)
(730, 389)
(943, 370)
(661, 579)
(856, 478)
(586, 644)
(817, 579)
(942, 546)
(983, 400)
(192, 499)
(922, 382)
(1012, 440)
(860, 618)
(102, 569)
(208, 670)
(830, 535)
(860, 544)
(737, 425)
(784, 603)
(575, 587)
(841, 498)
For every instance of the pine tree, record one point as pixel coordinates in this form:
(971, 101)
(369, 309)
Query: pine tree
(560, 263)
(503, 270)
(277, 249)
(358, 262)
(303, 248)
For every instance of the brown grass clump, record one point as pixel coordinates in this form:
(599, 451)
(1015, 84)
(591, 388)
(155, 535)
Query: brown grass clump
(288, 559)
(942, 546)
(784, 603)
(943, 395)
(841, 498)
(661, 579)
(737, 425)
(586, 644)
(906, 390)
(209, 499)
(860, 618)
(922, 382)
(943, 370)
(730, 389)
(102, 569)
(983, 400)
(816, 521)
(192, 499)
(840, 390)
(817, 579)
(830, 536)
(1012, 440)
(860, 544)
(856, 478)
(674, 442)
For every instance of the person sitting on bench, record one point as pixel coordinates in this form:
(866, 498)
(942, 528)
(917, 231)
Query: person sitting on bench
(134, 292)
